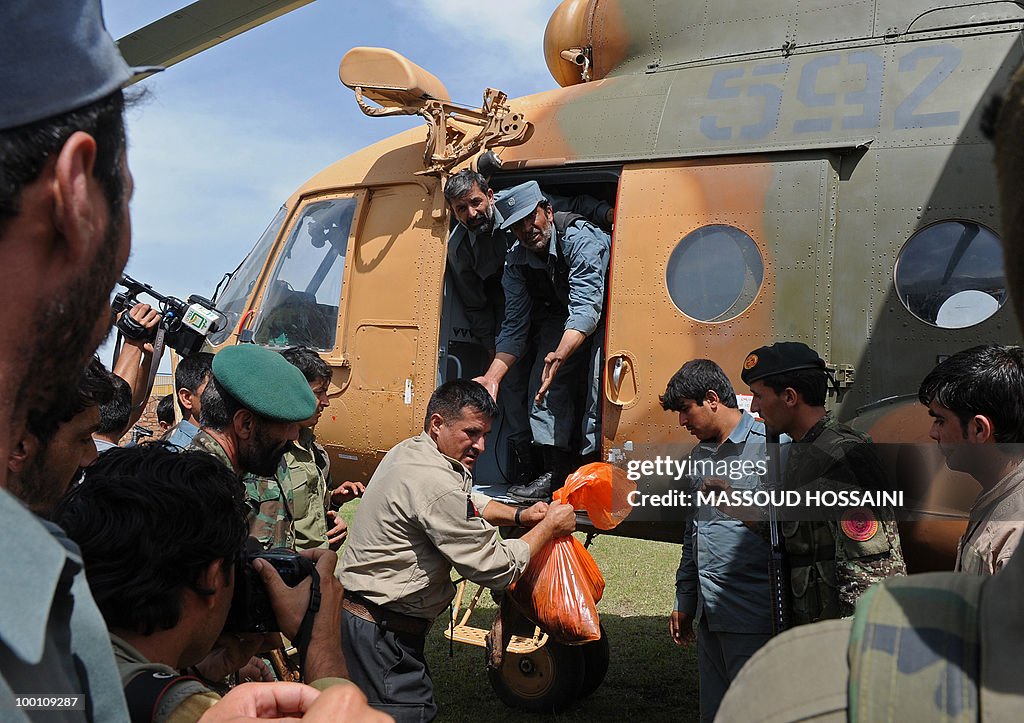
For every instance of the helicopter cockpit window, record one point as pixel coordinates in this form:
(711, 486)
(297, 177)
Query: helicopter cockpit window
(714, 273)
(950, 274)
(300, 304)
(232, 299)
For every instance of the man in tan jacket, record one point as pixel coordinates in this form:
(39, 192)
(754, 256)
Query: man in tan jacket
(976, 401)
(418, 519)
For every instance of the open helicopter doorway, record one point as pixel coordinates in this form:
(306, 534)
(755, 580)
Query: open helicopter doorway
(510, 457)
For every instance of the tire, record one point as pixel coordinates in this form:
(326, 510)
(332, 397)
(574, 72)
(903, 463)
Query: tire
(547, 680)
(597, 656)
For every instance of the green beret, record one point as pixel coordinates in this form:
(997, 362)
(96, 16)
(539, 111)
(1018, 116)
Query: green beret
(264, 382)
(780, 358)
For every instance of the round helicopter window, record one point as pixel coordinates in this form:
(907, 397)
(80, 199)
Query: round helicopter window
(950, 274)
(714, 273)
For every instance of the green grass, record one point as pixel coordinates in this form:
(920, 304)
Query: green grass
(649, 677)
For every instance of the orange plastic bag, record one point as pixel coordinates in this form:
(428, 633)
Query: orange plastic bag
(602, 490)
(559, 591)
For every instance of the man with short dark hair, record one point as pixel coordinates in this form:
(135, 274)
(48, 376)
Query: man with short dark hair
(976, 401)
(165, 412)
(190, 379)
(419, 519)
(305, 467)
(114, 415)
(834, 554)
(161, 532)
(64, 239)
(554, 285)
(47, 460)
(722, 581)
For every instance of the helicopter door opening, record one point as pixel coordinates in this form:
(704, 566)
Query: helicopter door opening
(510, 457)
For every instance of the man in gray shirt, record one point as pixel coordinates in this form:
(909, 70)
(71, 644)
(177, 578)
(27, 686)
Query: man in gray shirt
(722, 581)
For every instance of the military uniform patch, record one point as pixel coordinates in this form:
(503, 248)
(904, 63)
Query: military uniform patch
(750, 362)
(859, 524)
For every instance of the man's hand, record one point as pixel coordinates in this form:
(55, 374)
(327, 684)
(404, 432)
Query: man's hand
(680, 628)
(290, 603)
(561, 518)
(746, 514)
(292, 702)
(147, 317)
(323, 654)
(533, 514)
(256, 671)
(338, 531)
(231, 652)
(346, 492)
(571, 341)
(490, 385)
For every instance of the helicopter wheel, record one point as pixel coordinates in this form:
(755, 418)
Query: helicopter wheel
(548, 680)
(596, 658)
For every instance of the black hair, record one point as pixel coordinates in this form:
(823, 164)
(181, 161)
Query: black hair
(94, 390)
(25, 150)
(986, 380)
(114, 415)
(308, 362)
(693, 381)
(462, 183)
(165, 409)
(810, 384)
(192, 371)
(452, 397)
(218, 406)
(149, 522)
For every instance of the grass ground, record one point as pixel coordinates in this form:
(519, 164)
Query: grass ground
(648, 678)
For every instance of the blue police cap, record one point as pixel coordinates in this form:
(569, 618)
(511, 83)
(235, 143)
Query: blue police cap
(518, 202)
(56, 56)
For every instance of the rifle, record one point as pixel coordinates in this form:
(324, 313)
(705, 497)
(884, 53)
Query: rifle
(778, 566)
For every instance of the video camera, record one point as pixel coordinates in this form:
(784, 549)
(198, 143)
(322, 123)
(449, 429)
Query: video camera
(186, 324)
(251, 611)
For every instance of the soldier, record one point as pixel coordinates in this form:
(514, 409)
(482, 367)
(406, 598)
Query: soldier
(834, 555)
(251, 409)
(304, 471)
(554, 285)
(976, 401)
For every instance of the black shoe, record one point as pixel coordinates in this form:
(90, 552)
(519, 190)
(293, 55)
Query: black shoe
(537, 491)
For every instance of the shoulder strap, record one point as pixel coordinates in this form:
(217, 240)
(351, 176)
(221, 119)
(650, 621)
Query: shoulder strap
(145, 691)
(915, 650)
(565, 219)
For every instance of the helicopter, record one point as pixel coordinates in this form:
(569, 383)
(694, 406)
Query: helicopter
(775, 176)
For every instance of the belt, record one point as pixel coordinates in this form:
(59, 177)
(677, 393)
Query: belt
(362, 608)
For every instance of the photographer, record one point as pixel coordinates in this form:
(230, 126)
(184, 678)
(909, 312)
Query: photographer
(161, 532)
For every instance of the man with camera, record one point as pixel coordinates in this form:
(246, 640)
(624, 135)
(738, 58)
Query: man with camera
(418, 519)
(163, 536)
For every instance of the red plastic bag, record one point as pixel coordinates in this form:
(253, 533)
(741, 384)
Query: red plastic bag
(602, 490)
(559, 590)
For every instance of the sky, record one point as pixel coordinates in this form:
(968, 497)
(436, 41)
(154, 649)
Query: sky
(222, 139)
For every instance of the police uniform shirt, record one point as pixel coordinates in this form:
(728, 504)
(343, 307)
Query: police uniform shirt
(585, 250)
(417, 520)
(52, 636)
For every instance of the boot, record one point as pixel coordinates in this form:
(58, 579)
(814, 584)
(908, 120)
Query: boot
(558, 463)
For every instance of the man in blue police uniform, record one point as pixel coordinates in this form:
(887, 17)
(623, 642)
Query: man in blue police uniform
(722, 582)
(554, 284)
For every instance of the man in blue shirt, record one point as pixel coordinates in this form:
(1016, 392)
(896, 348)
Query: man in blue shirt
(722, 581)
(554, 285)
(190, 378)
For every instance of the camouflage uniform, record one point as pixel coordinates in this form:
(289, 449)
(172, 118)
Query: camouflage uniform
(833, 561)
(304, 473)
(269, 518)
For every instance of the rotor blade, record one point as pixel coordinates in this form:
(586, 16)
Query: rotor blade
(199, 26)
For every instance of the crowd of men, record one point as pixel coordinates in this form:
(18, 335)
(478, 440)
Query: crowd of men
(148, 582)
